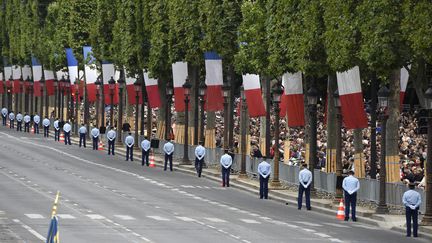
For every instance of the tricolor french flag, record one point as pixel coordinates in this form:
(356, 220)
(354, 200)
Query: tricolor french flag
(16, 76)
(108, 71)
(404, 77)
(214, 81)
(180, 73)
(292, 101)
(37, 77)
(151, 85)
(130, 80)
(72, 65)
(351, 98)
(252, 89)
(91, 73)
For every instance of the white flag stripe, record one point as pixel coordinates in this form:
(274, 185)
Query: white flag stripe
(37, 73)
(292, 83)
(149, 81)
(107, 72)
(8, 72)
(1, 76)
(16, 72)
(49, 75)
(91, 73)
(349, 81)
(61, 74)
(180, 72)
(214, 74)
(26, 72)
(404, 76)
(73, 73)
(251, 81)
(129, 80)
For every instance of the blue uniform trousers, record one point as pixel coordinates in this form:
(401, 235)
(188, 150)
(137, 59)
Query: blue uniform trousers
(4, 121)
(111, 147)
(300, 197)
(225, 176)
(67, 138)
(27, 127)
(198, 166)
(11, 124)
(19, 126)
(129, 153)
(411, 214)
(168, 158)
(82, 140)
(46, 132)
(145, 157)
(350, 201)
(36, 128)
(264, 187)
(95, 143)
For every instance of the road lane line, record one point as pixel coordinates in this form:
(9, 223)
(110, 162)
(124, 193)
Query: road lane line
(34, 216)
(158, 218)
(66, 216)
(124, 217)
(29, 229)
(250, 221)
(215, 220)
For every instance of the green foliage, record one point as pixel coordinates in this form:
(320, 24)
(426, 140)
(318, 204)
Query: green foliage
(101, 35)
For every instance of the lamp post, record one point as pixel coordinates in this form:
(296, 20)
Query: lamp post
(121, 83)
(111, 84)
(67, 87)
(187, 88)
(77, 101)
(26, 94)
(149, 116)
(383, 100)
(62, 82)
(339, 177)
(169, 92)
(243, 129)
(226, 88)
(41, 86)
(277, 94)
(312, 97)
(57, 100)
(10, 94)
(31, 95)
(97, 103)
(137, 87)
(427, 218)
(202, 92)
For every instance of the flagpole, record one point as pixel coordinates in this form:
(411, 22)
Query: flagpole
(54, 208)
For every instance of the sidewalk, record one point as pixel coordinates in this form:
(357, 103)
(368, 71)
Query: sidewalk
(288, 197)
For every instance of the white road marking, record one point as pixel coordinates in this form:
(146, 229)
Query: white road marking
(34, 216)
(322, 235)
(335, 240)
(215, 220)
(186, 219)
(66, 216)
(308, 224)
(124, 217)
(337, 225)
(159, 218)
(29, 229)
(309, 230)
(250, 221)
(95, 216)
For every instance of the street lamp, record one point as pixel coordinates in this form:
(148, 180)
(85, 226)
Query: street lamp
(56, 99)
(122, 84)
(20, 93)
(62, 82)
(41, 86)
(9, 84)
(383, 100)
(111, 85)
(98, 84)
(137, 88)
(202, 92)
(312, 98)
(339, 177)
(67, 86)
(26, 95)
(77, 100)
(226, 88)
(187, 89)
(277, 94)
(427, 218)
(31, 95)
(169, 90)
(243, 133)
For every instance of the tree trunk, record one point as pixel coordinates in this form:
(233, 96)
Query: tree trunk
(264, 141)
(392, 136)
(359, 165)
(193, 71)
(418, 80)
(331, 125)
(210, 130)
(162, 81)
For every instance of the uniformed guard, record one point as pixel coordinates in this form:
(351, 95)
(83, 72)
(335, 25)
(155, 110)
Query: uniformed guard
(27, 120)
(82, 135)
(56, 130)
(145, 148)
(11, 120)
(19, 118)
(412, 201)
(169, 150)
(4, 112)
(350, 185)
(36, 121)
(305, 180)
(95, 136)
(111, 135)
(199, 158)
(129, 141)
(264, 170)
(67, 129)
(46, 124)
(226, 162)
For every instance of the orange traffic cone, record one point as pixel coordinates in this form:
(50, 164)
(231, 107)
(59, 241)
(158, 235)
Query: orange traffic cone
(61, 138)
(341, 210)
(32, 130)
(101, 145)
(152, 160)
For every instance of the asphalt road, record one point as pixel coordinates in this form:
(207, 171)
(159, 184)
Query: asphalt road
(106, 199)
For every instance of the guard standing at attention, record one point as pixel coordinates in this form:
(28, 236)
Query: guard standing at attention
(4, 113)
(19, 118)
(46, 124)
(226, 162)
(264, 170)
(169, 150)
(11, 119)
(95, 136)
(145, 147)
(412, 201)
(350, 185)
(36, 121)
(129, 141)
(56, 130)
(199, 158)
(67, 129)
(305, 180)
(111, 135)
(27, 120)
(82, 135)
